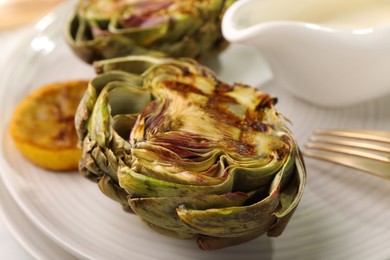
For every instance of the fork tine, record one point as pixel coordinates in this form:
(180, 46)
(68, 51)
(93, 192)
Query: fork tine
(352, 143)
(370, 154)
(350, 151)
(377, 168)
(374, 135)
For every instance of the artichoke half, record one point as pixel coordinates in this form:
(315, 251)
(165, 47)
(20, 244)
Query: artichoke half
(192, 156)
(102, 29)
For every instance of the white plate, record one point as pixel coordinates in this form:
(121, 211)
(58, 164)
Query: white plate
(33, 240)
(344, 214)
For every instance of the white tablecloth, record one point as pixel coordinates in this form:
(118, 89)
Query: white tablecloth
(10, 249)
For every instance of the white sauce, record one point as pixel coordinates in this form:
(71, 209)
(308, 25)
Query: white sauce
(341, 13)
(365, 17)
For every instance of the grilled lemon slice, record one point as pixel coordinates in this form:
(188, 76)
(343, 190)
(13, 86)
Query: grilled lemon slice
(42, 125)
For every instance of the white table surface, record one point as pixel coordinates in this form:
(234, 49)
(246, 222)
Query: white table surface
(10, 249)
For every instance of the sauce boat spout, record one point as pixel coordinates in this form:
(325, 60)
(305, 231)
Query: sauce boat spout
(325, 64)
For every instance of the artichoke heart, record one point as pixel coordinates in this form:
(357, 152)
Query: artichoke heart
(103, 29)
(192, 156)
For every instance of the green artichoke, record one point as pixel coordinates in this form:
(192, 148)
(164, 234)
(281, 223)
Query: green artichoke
(192, 156)
(102, 29)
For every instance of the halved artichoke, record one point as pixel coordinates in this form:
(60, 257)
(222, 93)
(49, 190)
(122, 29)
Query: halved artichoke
(193, 156)
(101, 29)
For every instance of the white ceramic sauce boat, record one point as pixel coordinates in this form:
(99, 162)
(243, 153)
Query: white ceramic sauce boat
(328, 52)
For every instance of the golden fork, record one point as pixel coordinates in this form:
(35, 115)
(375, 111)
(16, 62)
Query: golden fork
(365, 150)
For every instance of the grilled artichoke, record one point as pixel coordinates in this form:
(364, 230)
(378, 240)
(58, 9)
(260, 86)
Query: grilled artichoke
(101, 29)
(192, 156)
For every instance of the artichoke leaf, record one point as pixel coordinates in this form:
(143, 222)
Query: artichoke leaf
(100, 127)
(214, 176)
(177, 233)
(122, 125)
(256, 162)
(126, 99)
(191, 75)
(133, 65)
(236, 221)
(285, 176)
(83, 112)
(232, 221)
(213, 7)
(100, 10)
(161, 211)
(87, 164)
(189, 47)
(293, 189)
(112, 190)
(101, 80)
(185, 140)
(157, 154)
(183, 25)
(143, 36)
(114, 99)
(139, 185)
(290, 197)
(79, 28)
(247, 179)
(120, 147)
(101, 157)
